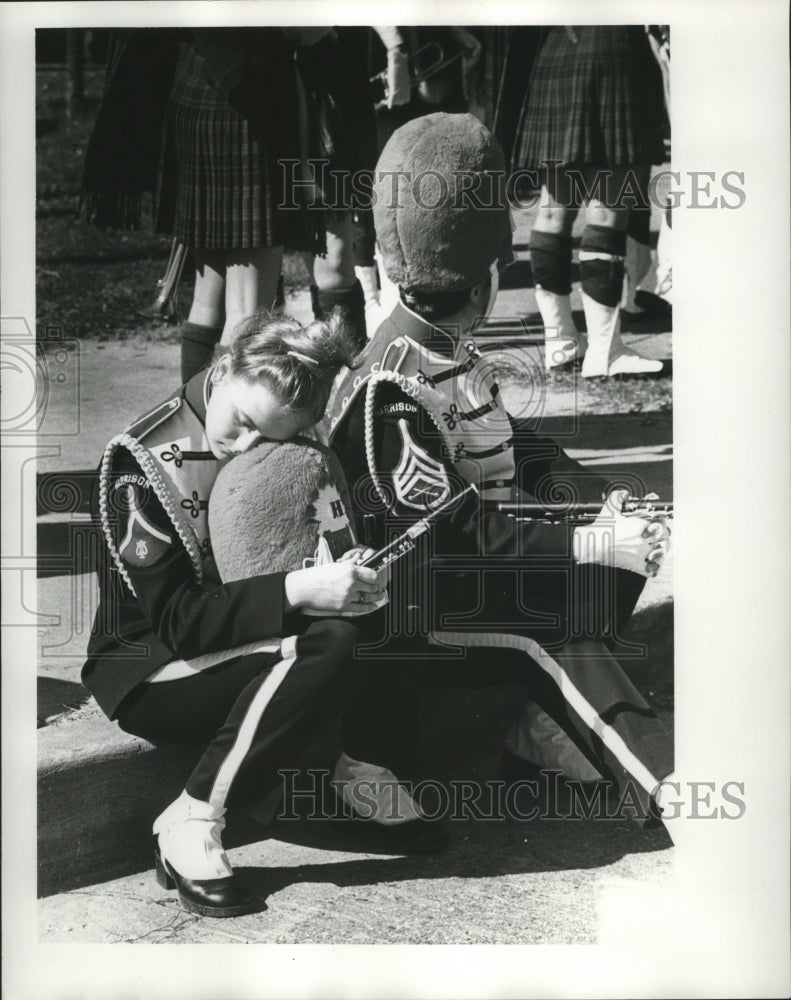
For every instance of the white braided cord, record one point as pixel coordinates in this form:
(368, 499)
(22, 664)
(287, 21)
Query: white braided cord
(361, 380)
(147, 463)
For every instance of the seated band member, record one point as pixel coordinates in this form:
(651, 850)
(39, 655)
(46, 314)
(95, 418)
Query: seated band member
(179, 657)
(420, 415)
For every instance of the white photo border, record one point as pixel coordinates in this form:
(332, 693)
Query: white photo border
(721, 927)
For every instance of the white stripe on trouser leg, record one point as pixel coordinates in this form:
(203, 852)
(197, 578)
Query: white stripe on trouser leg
(177, 670)
(609, 737)
(247, 730)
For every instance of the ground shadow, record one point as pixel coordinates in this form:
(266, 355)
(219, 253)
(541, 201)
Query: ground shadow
(55, 696)
(66, 548)
(603, 432)
(479, 849)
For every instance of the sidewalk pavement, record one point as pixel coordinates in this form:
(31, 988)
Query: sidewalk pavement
(99, 789)
(509, 882)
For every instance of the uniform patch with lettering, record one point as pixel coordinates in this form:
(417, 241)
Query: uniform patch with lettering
(419, 480)
(143, 544)
(396, 409)
(334, 532)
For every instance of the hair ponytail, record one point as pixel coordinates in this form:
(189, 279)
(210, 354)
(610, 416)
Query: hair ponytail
(299, 363)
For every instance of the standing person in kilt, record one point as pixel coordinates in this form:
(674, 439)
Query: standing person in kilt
(232, 115)
(593, 112)
(203, 119)
(341, 111)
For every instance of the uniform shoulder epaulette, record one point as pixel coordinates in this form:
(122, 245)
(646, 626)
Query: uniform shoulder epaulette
(151, 420)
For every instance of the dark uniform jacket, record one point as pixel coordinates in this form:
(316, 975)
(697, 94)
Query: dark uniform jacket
(169, 615)
(486, 568)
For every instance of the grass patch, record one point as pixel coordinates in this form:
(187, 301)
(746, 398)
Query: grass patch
(572, 392)
(90, 283)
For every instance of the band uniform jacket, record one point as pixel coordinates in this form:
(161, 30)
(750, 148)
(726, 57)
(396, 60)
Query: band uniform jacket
(421, 417)
(160, 598)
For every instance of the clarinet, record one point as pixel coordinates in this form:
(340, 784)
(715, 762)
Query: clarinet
(407, 541)
(580, 513)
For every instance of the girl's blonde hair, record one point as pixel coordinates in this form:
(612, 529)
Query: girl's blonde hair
(298, 362)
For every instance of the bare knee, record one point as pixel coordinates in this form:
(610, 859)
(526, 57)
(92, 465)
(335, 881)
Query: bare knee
(336, 268)
(208, 298)
(552, 219)
(599, 214)
(251, 278)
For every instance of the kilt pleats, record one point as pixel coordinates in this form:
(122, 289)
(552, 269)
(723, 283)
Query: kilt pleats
(596, 101)
(221, 187)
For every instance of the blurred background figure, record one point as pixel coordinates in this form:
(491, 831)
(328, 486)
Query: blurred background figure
(648, 278)
(592, 122)
(231, 114)
(203, 118)
(657, 298)
(508, 54)
(346, 276)
(439, 71)
(390, 88)
(440, 61)
(337, 107)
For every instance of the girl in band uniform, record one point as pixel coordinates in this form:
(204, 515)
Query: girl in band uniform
(176, 655)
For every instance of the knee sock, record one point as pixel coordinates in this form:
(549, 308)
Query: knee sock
(351, 303)
(197, 348)
(550, 261)
(315, 304)
(639, 224)
(602, 253)
(280, 297)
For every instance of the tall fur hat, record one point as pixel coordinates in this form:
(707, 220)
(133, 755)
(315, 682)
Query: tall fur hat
(277, 505)
(440, 210)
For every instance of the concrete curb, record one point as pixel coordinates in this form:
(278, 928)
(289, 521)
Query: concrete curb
(99, 790)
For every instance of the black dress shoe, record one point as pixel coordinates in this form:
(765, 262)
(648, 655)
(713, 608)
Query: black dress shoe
(214, 897)
(652, 305)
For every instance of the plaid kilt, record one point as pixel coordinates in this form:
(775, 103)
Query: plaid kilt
(597, 102)
(220, 186)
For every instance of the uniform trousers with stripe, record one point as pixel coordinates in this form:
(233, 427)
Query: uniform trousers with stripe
(256, 712)
(579, 684)
(585, 690)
